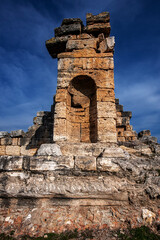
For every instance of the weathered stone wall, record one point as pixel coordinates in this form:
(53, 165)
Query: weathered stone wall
(125, 131)
(19, 143)
(86, 56)
(80, 186)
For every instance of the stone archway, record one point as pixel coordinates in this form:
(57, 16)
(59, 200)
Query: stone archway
(82, 110)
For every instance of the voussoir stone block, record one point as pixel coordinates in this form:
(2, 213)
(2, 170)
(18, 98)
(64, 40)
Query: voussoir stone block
(49, 150)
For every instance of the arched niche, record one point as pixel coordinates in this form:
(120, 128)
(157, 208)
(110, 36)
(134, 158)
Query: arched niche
(82, 110)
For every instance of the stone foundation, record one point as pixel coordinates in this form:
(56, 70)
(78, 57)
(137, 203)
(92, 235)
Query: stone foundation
(80, 186)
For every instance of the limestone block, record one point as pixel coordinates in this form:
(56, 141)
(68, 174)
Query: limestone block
(13, 150)
(146, 150)
(129, 127)
(59, 131)
(80, 36)
(51, 149)
(103, 63)
(38, 120)
(120, 132)
(122, 121)
(107, 137)
(119, 108)
(106, 124)
(42, 113)
(80, 44)
(6, 141)
(79, 149)
(77, 116)
(2, 150)
(103, 46)
(107, 164)
(121, 139)
(63, 79)
(87, 63)
(103, 17)
(119, 114)
(15, 141)
(61, 95)
(73, 64)
(86, 53)
(105, 106)
(103, 79)
(144, 133)
(65, 64)
(69, 29)
(17, 133)
(56, 45)
(99, 28)
(11, 163)
(110, 43)
(128, 134)
(51, 163)
(60, 110)
(81, 187)
(28, 152)
(105, 95)
(68, 21)
(126, 114)
(113, 152)
(3, 134)
(73, 132)
(86, 163)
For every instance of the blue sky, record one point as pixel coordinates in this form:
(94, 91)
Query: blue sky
(28, 75)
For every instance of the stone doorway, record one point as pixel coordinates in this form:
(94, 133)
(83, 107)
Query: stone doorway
(82, 110)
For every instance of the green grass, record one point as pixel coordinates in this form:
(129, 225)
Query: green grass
(142, 233)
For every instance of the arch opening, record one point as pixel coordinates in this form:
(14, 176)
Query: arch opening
(82, 110)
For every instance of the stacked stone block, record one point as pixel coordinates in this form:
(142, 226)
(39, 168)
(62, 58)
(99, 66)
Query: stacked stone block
(125, 131)
(85, 103)
(19, 143)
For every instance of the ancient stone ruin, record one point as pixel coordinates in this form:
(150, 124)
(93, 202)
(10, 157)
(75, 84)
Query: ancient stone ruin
(80, 165)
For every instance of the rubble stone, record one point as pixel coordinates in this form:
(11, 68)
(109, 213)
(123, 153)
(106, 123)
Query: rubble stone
(17, 133)
(3, 134)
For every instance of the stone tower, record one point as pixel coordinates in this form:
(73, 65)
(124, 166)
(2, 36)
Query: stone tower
(85, 109)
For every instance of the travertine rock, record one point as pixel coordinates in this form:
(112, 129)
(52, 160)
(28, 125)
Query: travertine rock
(17, 133)
(49, 150)
(3, 134)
